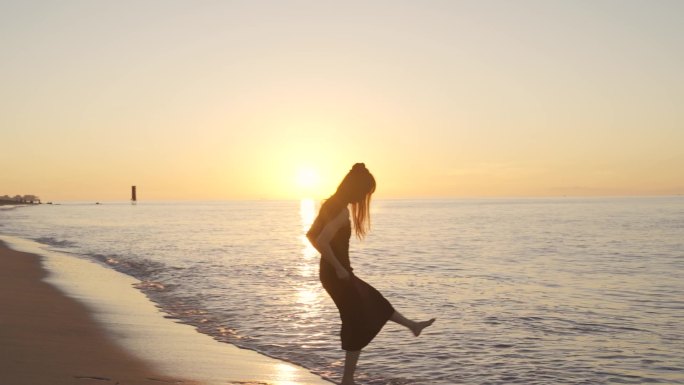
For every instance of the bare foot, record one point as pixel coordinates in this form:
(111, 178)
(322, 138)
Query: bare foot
(419, 326)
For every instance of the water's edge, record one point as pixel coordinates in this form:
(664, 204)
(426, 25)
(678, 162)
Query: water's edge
(142, 327)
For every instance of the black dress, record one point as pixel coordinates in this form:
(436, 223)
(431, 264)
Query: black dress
(363, 310)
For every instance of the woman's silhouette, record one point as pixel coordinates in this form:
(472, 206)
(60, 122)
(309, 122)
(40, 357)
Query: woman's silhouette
(363, 310)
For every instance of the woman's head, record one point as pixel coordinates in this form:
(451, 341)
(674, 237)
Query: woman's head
(356, 188)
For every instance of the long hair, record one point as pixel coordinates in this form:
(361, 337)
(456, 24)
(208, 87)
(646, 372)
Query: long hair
(357, 187)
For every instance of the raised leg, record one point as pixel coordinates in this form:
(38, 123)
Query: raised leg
(414, 326)
(350, 361)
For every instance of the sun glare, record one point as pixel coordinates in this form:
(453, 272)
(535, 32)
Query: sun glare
(307, 180)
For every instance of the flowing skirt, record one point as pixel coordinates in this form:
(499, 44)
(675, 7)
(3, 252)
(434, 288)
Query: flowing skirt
(363, 310)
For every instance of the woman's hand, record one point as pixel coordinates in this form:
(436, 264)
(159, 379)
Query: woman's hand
(342, 273)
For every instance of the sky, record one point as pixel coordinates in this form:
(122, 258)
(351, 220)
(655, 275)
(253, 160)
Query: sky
(259, 99)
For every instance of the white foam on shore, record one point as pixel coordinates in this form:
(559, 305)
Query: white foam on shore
(140, 327)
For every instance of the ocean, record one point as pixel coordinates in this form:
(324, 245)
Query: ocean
(525, 291)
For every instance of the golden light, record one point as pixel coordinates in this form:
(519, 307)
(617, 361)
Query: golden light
(307, 177)
(308, 180)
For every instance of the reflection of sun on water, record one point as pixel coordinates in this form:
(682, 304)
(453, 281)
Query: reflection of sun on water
(308, 292)
(307, 297)
(307, 211)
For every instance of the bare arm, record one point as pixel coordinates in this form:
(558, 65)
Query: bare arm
(321, 242)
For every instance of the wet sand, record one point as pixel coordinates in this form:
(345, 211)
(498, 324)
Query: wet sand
(49, 338)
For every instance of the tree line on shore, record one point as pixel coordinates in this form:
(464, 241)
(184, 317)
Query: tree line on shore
(25, 199)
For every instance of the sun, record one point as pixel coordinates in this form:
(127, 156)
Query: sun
(307, 178)
(308, 182)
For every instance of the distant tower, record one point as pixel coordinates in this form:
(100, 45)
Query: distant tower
(134, 198)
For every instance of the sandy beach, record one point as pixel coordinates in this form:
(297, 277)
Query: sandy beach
(95, 332)
(49, 338)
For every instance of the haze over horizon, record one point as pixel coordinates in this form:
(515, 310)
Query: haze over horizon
(268, 100)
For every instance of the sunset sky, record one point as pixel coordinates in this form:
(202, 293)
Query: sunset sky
(278, 99)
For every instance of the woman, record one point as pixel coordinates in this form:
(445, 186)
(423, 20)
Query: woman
(363, 310)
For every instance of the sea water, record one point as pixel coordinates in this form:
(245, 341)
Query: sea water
(525, 291)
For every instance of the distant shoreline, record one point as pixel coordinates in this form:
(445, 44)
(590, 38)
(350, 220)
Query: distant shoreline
(15, 203)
